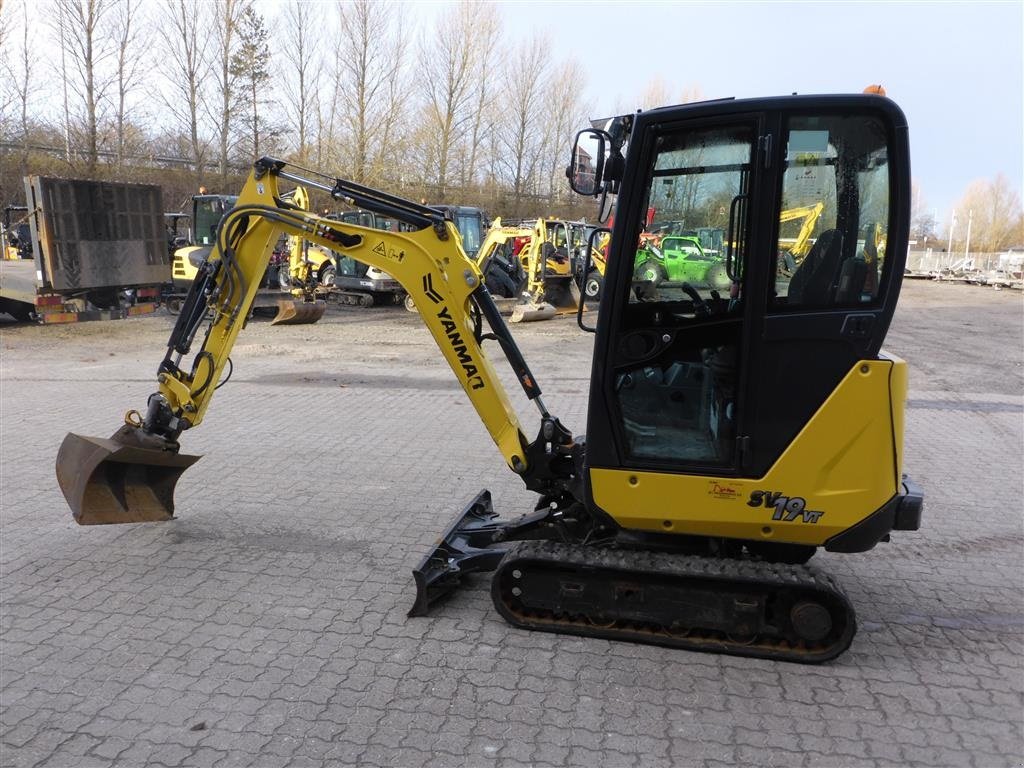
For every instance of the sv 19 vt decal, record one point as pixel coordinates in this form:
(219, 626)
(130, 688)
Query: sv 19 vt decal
(787, 509)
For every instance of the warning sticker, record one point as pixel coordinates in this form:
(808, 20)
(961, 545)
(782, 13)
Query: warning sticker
(389, 253)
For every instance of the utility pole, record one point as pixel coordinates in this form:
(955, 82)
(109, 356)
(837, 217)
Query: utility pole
(949, 247)
(967, 249)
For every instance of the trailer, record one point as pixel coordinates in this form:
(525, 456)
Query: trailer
(99, 252)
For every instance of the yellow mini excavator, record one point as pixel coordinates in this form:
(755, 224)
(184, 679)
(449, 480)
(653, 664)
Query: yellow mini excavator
(728, 436)
(308, 269)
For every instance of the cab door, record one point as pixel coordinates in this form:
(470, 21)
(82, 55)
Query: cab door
(671, 358)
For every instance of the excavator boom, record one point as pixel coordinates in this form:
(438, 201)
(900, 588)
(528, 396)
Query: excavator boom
(131, 476)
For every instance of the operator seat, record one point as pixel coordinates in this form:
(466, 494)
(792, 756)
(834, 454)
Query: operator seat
(815, 279)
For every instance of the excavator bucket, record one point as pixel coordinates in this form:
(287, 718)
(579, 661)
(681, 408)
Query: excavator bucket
(564, 297)
(123, 479)
(298, 312)
(561, 297)
(531, 311)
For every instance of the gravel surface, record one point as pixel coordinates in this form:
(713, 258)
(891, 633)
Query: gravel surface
(266, 625)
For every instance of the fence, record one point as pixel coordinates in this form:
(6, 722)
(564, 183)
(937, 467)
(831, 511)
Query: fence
(932, 262)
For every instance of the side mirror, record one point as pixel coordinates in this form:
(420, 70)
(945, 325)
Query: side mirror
(586, 169)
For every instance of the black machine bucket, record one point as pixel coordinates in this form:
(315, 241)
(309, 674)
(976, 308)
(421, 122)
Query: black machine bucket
(128, 478)
(467, 545)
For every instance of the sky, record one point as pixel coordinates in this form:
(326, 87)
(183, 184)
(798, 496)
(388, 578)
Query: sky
(956, 69)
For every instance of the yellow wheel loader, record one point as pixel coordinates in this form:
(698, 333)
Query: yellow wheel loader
(728, 437)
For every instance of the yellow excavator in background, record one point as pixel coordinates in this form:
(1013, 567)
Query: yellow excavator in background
(301, 274)
(531, 261)
(15, 236)
(307, 267)
(551, 288)
(498, 258)
(534, 261)
(792, 252)
(728, 437)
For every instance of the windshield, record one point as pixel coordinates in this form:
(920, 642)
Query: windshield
(209, 212)
(468, 225)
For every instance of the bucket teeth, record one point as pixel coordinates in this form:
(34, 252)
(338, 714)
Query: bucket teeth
(298, 312)
(120, 479)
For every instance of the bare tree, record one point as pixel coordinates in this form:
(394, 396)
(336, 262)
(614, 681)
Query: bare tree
(997, 219)
(369, 80)
(185, 37)
(487, 32)
(691, 92)
(303, 23)
(654, 95)
(5, 66)
(20, 76)
(225, 25)
(922, 221)
(517, 133)
(563, 115)
(450, 58)
(80, 24)
(131, 63)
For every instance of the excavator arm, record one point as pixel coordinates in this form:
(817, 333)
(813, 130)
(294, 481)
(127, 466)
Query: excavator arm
(809, 214)
(131, 476)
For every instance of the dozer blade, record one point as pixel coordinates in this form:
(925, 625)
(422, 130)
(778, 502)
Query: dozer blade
(298, 312)
(461, 549)
(128, 478)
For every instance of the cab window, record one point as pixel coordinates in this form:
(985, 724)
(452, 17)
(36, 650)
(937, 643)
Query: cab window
(697, 188)
(834, 213)
(469, 228)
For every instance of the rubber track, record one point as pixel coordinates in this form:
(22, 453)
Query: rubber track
(708, 573)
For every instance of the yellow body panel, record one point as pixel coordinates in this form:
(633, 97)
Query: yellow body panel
(182, 269)
(898, 387)
(844, 464)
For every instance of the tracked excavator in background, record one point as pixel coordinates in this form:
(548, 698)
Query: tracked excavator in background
(302, 273)
(728, 436)
(551, 287)
(533, 261)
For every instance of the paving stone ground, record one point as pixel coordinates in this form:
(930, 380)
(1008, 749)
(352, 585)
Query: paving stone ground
(267, 626)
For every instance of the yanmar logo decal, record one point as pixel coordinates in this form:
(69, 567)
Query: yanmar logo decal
(428, 288)
(459, 347)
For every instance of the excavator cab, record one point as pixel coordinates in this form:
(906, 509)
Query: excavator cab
(692, 380)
